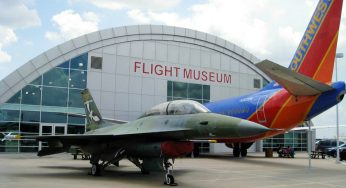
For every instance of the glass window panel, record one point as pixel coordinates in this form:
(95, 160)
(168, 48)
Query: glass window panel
(179, 89)
(76, 99)
(206, 101)
(52, 96)
(31, 95)
(9, 127)
(200, 101)
(206, 92)
(257, 83)
(195, 91)
(75, 129)
(15, 98)
(52, 117)
(30, 116)
(96, 62)
(65, 64)
(29, 129)
(9, 115)
(76, 120)
(80, 62)
(178, 98)
(169, 88)
(59, 130)
(37, 81)
(56, 77)
(78, 79)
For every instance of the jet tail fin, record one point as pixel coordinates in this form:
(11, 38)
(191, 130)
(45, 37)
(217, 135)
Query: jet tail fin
(93, 115)
(295, 83)
(315, 54)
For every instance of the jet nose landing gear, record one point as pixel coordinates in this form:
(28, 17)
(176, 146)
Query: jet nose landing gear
(169, 178)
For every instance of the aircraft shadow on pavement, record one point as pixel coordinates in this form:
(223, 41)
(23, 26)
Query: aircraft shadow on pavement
(123, 173)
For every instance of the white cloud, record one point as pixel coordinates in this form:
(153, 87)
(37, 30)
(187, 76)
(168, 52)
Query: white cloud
(139, 16)
(268, 29)
(53, 36)
(232, 20)
(134, 4)
(292, 37)
(71, 24)
(16, 14)
(8, 37)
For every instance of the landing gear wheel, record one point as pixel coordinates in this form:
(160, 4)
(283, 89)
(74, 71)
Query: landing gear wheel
(236, 152)
(243, 152)
(95, 170)
(169, 180)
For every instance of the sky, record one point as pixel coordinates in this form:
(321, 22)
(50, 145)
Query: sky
(269, 29)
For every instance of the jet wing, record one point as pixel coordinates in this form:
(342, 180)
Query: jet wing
(295, 83)
(61, 143)
(84, 139)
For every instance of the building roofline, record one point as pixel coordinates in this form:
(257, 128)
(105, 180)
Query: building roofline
(49, 59)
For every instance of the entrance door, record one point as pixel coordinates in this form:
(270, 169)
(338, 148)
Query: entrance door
(47, 129)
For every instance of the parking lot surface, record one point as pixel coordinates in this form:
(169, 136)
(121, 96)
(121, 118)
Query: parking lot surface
(212, 171)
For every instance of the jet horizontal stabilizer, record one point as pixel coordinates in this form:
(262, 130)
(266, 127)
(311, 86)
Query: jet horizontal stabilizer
(111, 120)
(295, 83)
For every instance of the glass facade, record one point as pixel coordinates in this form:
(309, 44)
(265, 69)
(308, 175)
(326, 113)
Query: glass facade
(181, 90)
(295, 139)
(46, 101)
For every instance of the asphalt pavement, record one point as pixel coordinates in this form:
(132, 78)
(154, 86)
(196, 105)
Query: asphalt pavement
(213, 171)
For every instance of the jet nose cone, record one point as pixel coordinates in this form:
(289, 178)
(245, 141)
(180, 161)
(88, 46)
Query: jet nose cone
(249, 128)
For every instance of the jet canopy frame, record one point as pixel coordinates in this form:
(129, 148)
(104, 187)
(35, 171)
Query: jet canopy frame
(177, 107)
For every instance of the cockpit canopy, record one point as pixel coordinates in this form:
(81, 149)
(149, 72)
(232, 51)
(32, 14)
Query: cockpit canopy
(178, 107)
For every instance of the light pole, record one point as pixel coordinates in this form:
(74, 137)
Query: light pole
(338, 55)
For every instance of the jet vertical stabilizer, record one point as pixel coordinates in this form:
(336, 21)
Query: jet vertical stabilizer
(315, 54)
(93, 115)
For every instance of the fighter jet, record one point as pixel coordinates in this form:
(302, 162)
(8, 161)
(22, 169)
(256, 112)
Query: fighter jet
(161, 134)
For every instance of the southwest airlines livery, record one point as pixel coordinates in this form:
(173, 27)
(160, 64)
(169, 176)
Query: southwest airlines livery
(299, 92)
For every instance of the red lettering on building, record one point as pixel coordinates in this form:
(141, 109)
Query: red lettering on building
(168, 70)
(227, 78)
(158, 70)
(212, 76)
(137, 66)
(187, 73)
(144, 70)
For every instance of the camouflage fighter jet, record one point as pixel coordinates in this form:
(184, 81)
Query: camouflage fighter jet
(164, 132)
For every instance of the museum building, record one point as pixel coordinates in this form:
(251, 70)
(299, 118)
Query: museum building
(128, 70)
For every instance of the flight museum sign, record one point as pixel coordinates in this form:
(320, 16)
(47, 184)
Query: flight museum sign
(186, 73)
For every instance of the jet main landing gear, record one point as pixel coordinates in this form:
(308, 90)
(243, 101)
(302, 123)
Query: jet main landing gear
(169, 178)
(95, 169)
